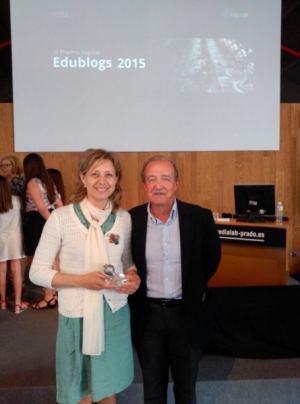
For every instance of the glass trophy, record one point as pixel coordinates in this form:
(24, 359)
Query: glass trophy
(116, 279)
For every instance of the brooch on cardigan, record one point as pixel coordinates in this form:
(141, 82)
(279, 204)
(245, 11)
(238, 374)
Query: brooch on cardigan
(113, 238)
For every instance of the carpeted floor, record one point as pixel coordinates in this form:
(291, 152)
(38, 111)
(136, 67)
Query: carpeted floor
(27, 367)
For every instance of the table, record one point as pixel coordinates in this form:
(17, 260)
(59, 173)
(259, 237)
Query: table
(253, 254)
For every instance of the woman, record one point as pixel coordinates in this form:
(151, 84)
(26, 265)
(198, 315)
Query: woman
(41, 198)
(11, 245)
(12, 170)
(94, 354)
(57, 178)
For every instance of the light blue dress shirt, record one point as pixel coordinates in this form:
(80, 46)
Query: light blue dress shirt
(163, 256)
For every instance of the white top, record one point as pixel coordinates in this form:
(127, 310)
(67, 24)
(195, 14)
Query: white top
(11, 238)
(64, 235)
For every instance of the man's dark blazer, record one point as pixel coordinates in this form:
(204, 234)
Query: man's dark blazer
(200, 257)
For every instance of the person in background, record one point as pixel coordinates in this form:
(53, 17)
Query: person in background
(176, 249)
(94, 358)
(12, 171)
(41, 198)
(11, 245)
(57, 178)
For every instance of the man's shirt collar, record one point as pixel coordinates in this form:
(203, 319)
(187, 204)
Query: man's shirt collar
(173, 214)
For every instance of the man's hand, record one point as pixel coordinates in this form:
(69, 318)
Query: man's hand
(132, 285)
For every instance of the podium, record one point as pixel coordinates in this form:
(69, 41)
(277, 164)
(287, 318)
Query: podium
(253, 254)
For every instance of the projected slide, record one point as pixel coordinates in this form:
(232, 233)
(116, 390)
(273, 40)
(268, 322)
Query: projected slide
(138, 75)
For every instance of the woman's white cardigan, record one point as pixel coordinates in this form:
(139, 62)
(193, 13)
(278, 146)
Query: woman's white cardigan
(64, 236)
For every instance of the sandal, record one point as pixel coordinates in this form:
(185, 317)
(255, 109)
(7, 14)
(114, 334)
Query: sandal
(3, 304)
(20, 307)
(49, 305)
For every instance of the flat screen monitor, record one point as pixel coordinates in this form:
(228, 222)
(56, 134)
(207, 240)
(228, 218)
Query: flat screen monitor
(254, 199)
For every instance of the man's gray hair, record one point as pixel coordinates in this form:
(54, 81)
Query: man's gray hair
(159, 158)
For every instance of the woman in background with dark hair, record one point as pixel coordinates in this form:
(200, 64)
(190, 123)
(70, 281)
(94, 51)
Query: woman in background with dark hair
(57, 178)
(41, 198)
(11, 245)
(12, 170)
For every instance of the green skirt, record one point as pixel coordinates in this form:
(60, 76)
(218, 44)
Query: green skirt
(79, 375)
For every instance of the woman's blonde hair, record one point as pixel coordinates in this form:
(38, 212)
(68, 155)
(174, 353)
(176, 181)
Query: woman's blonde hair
(16, 164)
(86, 161)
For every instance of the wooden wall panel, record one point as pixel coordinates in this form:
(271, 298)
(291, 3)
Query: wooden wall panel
(206, 178)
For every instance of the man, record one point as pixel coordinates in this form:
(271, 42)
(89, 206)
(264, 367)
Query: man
(176, 249)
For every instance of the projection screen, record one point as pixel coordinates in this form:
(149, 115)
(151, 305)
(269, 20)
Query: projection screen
(138, 75)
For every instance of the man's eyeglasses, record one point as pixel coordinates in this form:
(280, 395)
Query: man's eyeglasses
(5, 165)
